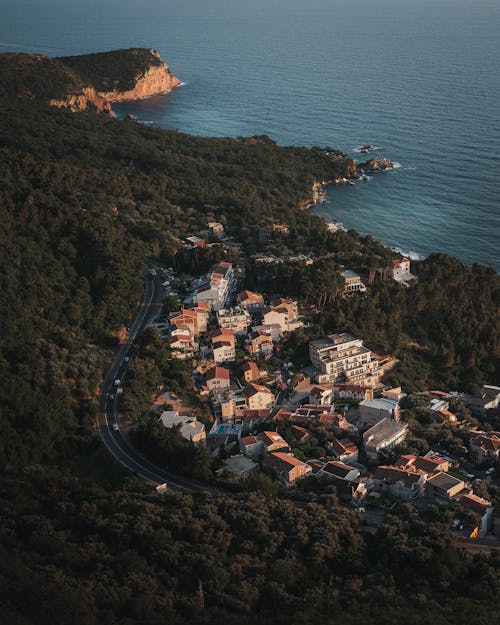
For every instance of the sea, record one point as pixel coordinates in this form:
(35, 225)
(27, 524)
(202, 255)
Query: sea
(419, 80)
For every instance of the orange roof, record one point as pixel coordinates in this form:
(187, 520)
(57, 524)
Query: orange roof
(252, 389)
(280, 459)
(475, 503)
(218, 372)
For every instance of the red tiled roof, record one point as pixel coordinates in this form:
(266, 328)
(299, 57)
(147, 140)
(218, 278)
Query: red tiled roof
(218, 372)
(392, 475)
(252, 389)
(280, 460)
(336, 468)
(475, 503)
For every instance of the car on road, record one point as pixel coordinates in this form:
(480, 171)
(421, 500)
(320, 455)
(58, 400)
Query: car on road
(117, 382)
(127, 358)
(115, 427)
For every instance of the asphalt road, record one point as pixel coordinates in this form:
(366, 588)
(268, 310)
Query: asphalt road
(108, 423)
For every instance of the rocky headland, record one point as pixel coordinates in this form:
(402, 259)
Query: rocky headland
(87, 81)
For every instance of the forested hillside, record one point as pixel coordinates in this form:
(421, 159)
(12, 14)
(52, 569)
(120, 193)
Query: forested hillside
(83, 199)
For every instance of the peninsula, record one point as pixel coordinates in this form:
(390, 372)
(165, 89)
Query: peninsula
(85, 81)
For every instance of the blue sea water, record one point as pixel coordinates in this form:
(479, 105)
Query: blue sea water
(420, 79)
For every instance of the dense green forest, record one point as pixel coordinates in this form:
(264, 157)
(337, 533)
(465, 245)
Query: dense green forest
(77, 552)
(83, 199)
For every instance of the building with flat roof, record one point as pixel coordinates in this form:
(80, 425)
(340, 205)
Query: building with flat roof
(353, 283)
(374, 410)
(385, 434)
(342, 358)
(444, 486)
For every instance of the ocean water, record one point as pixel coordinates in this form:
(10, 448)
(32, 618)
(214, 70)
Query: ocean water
(419, 79)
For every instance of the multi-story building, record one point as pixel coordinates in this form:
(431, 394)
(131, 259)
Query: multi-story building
(386, 434)
(343, 358)
(223, 351)
(401, 271)
(258, 396)
(192, 319)
(485, 448)
(260, 344)
(353, 283)
(235, 319)
(216, 286)
(250, 371)
(217, 377)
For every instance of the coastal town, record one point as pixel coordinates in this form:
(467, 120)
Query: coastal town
(331, 425)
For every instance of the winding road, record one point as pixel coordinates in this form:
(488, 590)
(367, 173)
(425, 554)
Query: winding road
(108, 423)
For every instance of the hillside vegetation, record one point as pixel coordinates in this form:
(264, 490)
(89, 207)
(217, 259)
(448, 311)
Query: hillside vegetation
(84, 198)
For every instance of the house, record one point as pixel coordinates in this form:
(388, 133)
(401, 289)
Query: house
(252, 446)
(279, 316)
(339, 470)
(321, 413)
(195, 319)
(248, 300)
(195, 241)
(286, 467)
(258, 396)
(358, 392)
(443, 486)
(400, 482)
(444, 415)
(487, 399)
(352, 491)
(253, 418)
(485, 448)
(374, 410)
(385, 434)
(272, 441)
(260, 344)
(352, 282)
(431, 463)
(333, 419)
(316, 466)
(344, 450)
(182, 344)
(401, 271)
(341, 358)
(224, 345)
(321, 395)
(191, 429)
(215, 230)
(282, 415)
(228, 403)
(235, 319)
(268, 232)
(250, 371)
(300, 435)
(215, 288)
(482, 508)
(218, 377)
(290, 305)
(223, 351)
(239, 467)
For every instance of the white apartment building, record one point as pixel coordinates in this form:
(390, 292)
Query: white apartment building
(215, 288)
(235, 319)
(343, 358)
(353, 282)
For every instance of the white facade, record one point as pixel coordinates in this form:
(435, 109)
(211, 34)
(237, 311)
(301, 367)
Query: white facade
(342, 358)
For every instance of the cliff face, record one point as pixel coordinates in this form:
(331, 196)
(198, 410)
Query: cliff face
(88, 98)
(86, 81)
(154, 81)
